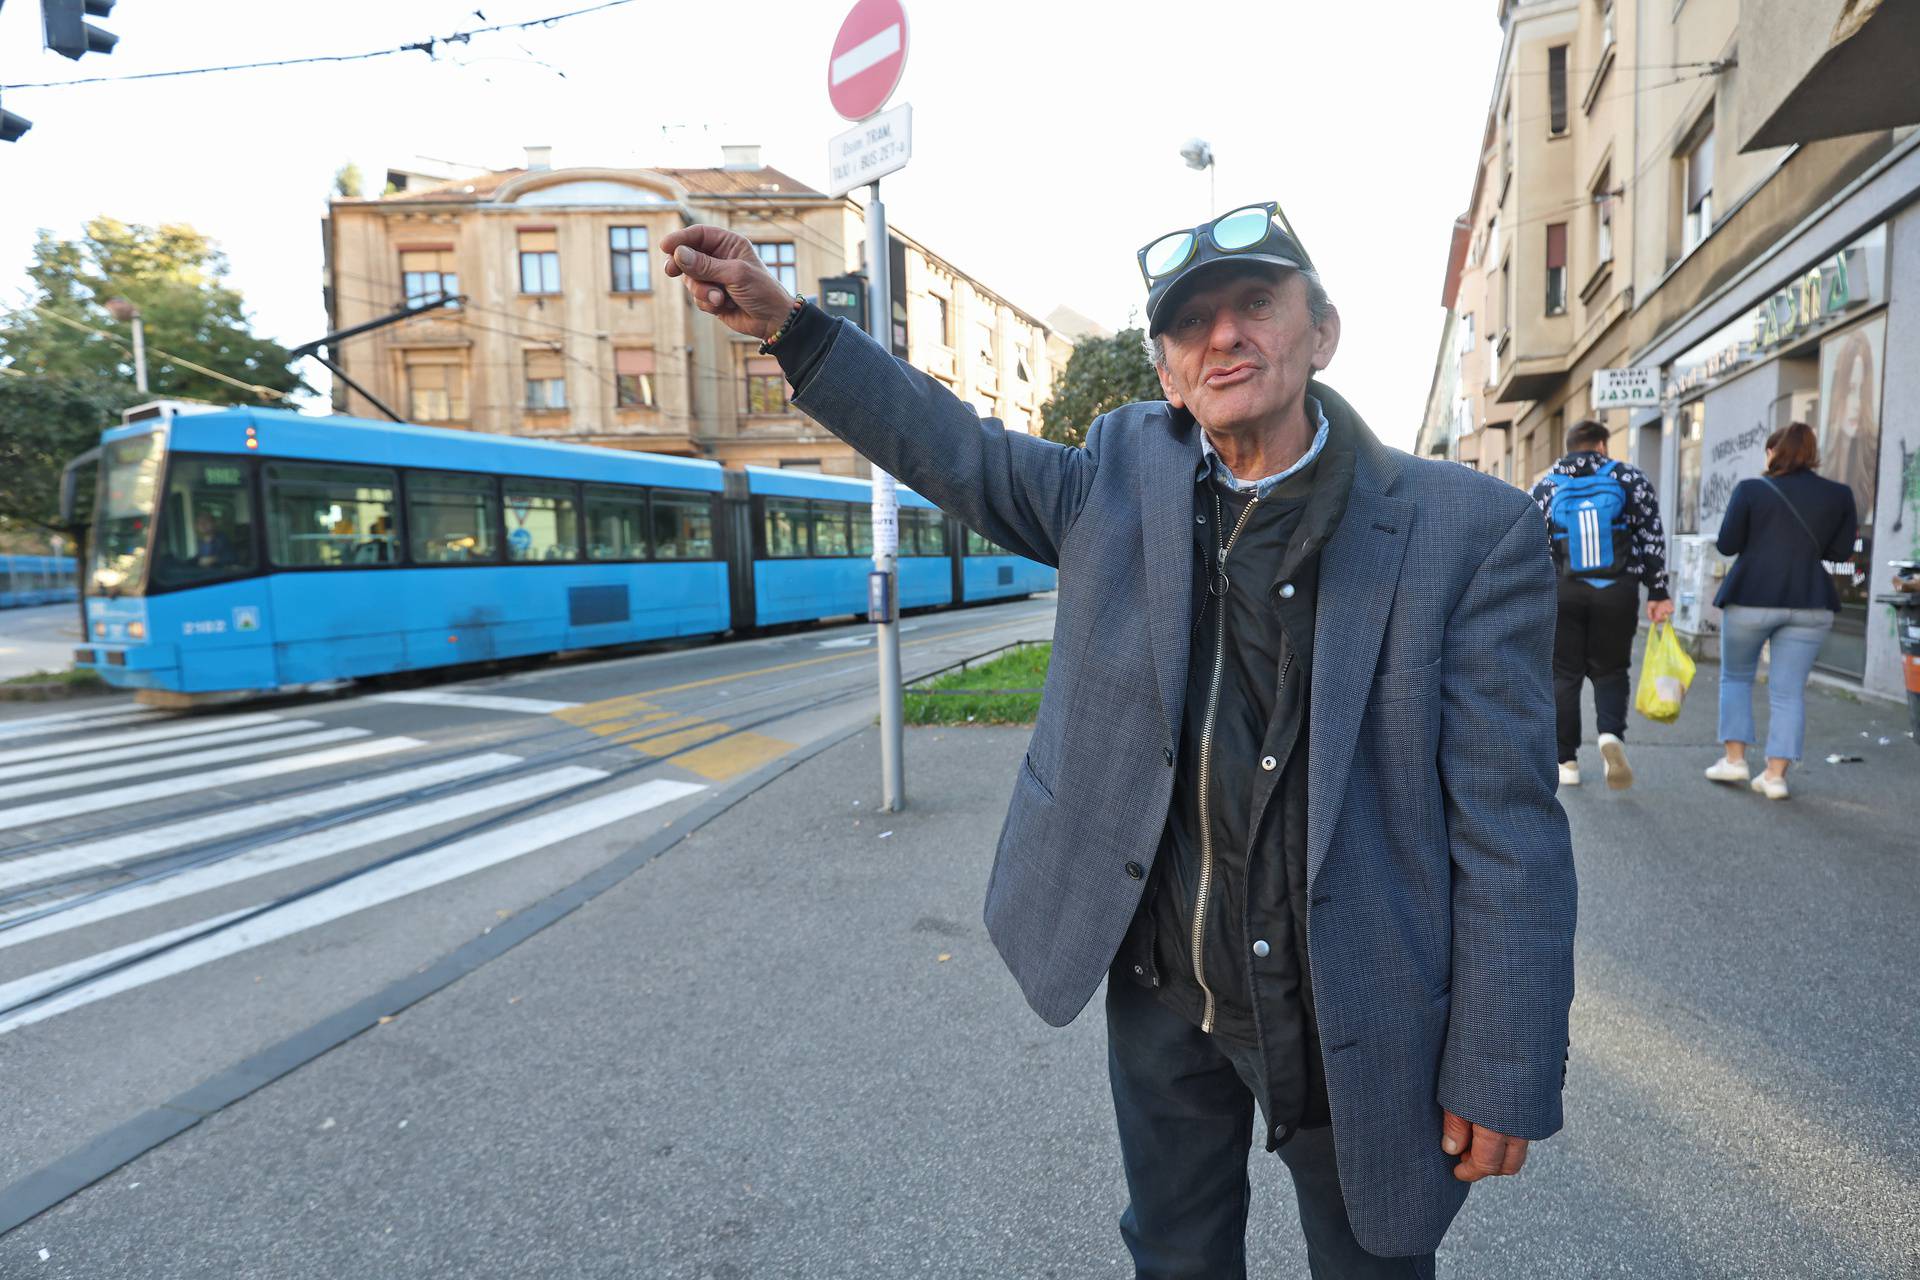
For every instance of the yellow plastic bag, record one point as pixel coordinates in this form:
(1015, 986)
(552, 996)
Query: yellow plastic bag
(1665, 673)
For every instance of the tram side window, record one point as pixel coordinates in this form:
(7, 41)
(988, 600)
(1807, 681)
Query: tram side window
(830, 528)
(206, 522)
(328, 517)
(616, 523)
(860, 525)
(451, 518)
(682, 526)
(786, 527)
(979, 546)
(932, 533)
(542, 520)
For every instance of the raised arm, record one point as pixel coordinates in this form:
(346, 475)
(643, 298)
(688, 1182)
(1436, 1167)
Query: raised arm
(1020, 491)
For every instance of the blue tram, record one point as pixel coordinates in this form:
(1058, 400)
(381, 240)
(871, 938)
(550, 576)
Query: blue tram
(30, 580)
(250, 549)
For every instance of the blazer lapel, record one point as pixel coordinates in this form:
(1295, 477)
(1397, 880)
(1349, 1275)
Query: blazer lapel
(1166, 519)
(1359, 571)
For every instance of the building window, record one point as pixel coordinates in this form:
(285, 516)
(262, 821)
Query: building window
(632, 272)
(1603, 218)
(436, 392)
(633, 378)
(1557, 90)
(1606, 25)
(983, 343)
(427, 274)
(542, 520)
(539, 262)
(766, 385)
(778, 255)
(1698, 221)
(1556, 268)
(546, 382)
(1020, 370)
(943, 320)
(1466, 333)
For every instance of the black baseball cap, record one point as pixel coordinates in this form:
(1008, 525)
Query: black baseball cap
(1172, 263)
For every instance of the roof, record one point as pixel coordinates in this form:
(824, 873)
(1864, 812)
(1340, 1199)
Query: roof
(762, 182)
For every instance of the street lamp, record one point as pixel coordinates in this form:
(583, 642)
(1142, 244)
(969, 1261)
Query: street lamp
(1199, 155)
(122, 310)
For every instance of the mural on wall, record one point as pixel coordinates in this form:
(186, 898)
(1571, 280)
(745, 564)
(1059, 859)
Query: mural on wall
(1850, 367)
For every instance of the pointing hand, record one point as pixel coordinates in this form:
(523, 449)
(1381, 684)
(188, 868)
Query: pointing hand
(726, 278)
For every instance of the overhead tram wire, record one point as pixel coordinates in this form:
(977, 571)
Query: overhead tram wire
(168, 356)
(426, 46)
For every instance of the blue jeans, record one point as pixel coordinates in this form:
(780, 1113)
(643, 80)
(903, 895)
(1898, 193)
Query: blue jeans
(1794, 637)
(1186, 1127)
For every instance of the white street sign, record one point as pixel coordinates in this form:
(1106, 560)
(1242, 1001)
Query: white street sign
(1633, 388)
(870, 150)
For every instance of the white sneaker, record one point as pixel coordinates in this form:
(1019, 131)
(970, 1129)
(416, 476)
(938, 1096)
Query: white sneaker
(1771, 787)
(1725, 770)
(1613, 759)
(1570, 774)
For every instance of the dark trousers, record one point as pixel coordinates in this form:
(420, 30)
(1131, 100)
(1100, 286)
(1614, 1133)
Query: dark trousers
(1593, 640)
(1186, 1126)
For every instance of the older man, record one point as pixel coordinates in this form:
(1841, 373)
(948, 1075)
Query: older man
(1289, 781)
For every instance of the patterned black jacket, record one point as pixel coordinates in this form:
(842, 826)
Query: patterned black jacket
(1647, 543)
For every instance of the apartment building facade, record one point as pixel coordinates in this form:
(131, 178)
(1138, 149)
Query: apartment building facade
(569, 331)
(1736, 194)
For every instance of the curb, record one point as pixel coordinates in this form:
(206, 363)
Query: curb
(52, 691)
(45, 1188)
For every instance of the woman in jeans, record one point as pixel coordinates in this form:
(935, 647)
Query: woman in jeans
(1778, 593)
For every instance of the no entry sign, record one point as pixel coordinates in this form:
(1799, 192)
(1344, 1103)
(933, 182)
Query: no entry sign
(868, 56)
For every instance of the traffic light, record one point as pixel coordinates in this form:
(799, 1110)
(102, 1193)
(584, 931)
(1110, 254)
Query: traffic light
(69, 34)
(12, 126)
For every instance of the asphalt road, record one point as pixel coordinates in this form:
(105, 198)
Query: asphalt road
(180, 892)
(39, 639)
(785, 1048)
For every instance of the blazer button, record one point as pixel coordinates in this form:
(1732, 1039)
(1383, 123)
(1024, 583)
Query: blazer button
(1134, 871)
(1269, 763)
(1261, 948)
(1286, 591)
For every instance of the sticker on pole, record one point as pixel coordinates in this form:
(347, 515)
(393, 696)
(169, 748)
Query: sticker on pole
(868, 57)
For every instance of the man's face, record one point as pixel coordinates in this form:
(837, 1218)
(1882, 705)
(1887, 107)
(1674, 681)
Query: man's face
(1242, 348)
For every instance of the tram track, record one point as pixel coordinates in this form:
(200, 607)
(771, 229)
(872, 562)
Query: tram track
(212, 855)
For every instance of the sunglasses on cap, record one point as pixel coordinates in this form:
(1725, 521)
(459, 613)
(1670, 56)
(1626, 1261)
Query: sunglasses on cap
(1244, 230)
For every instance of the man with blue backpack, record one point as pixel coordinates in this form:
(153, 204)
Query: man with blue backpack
(1605, 525)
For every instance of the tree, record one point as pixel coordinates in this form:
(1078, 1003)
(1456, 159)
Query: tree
(1102, 374)
(45, 422)
(348, 182)
(177, 277)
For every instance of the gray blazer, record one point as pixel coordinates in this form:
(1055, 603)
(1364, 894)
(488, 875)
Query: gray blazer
(1441, 880)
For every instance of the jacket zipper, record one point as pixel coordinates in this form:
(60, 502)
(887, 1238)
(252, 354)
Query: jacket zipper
(1217, 584)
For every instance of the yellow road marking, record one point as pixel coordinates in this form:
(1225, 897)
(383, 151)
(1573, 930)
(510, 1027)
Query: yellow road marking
(632, 720)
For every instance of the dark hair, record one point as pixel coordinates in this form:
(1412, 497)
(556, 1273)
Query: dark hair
(1585, 434)
(1794, 448)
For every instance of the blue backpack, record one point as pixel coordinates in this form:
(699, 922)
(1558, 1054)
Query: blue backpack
(1587, 518)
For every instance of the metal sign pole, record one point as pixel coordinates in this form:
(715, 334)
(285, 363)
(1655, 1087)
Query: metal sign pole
(886, 528)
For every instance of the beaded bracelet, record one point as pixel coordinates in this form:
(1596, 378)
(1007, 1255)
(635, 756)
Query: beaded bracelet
(766, 348)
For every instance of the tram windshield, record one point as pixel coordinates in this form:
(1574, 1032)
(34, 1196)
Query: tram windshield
(123, 516)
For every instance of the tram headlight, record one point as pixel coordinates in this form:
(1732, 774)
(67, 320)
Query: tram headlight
(136, 630)
(99, 631)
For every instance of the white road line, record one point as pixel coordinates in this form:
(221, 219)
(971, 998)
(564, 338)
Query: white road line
(120, 708)
(41, 726)
(89, 759)
(304, 849)
(846, 642)
(35, 985)
(178, 729)
(114, 850)
(870, 52)
(72, 806)
(475, 701)
(462, 858)
(173, 764)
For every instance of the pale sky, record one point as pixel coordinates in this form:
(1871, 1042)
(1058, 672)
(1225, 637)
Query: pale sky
(1046, 133)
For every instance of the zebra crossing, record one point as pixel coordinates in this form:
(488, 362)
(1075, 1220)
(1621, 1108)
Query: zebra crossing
(118, 822)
